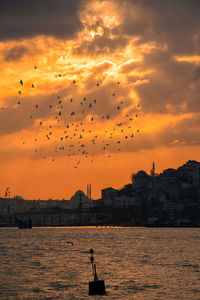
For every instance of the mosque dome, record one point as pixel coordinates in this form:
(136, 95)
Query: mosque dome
(141, 174)
(76, 196)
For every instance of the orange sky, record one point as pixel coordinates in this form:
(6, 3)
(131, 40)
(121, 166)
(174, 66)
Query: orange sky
(133, 78)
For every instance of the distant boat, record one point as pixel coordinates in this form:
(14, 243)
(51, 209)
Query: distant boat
(27, 224)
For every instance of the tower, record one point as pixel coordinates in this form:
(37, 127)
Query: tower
(153, 170)
(89, 191)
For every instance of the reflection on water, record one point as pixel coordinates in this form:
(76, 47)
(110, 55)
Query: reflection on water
(135, 263)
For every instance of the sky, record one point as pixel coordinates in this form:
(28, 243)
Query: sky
(94, 91)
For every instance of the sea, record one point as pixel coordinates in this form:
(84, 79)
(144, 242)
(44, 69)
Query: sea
(134, 262)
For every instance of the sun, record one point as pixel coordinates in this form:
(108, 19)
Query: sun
(92, 33)
(99, 31)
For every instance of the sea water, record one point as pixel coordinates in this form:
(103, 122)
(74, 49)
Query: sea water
(135, 263)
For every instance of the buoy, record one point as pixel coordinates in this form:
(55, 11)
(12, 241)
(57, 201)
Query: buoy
(96, 287)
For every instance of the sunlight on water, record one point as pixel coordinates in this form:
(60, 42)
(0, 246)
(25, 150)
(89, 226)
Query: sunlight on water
(135, 263)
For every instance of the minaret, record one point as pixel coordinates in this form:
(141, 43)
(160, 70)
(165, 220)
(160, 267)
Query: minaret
(153, 170)
(89, 191)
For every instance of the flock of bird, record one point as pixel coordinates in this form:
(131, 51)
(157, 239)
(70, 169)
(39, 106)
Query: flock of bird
(71, 131)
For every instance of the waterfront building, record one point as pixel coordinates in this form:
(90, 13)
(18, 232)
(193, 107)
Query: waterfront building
(108, 196)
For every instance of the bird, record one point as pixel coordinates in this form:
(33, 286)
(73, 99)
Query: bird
(21, 82)
(32, 85)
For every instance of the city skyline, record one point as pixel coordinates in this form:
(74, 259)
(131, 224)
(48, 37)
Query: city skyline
(92, 91)
(190, 165)
(170, 198)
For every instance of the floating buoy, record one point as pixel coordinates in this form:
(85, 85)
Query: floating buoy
(96, 287)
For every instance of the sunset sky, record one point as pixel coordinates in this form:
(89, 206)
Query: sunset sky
(93, 91)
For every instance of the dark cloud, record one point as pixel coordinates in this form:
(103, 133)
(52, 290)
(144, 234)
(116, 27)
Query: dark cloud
(174, 23)
(197, 73)
(21, 18)
(171, 87)
(102, 45)
(186, 132)
(15, 53)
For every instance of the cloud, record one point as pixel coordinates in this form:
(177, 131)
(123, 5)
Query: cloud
(25, 19)
(15, 53)
(172, 22)
(171, 86)
(101, 45)
(138, 47)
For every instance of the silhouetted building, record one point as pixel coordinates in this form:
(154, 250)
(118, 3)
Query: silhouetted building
(108, 196)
